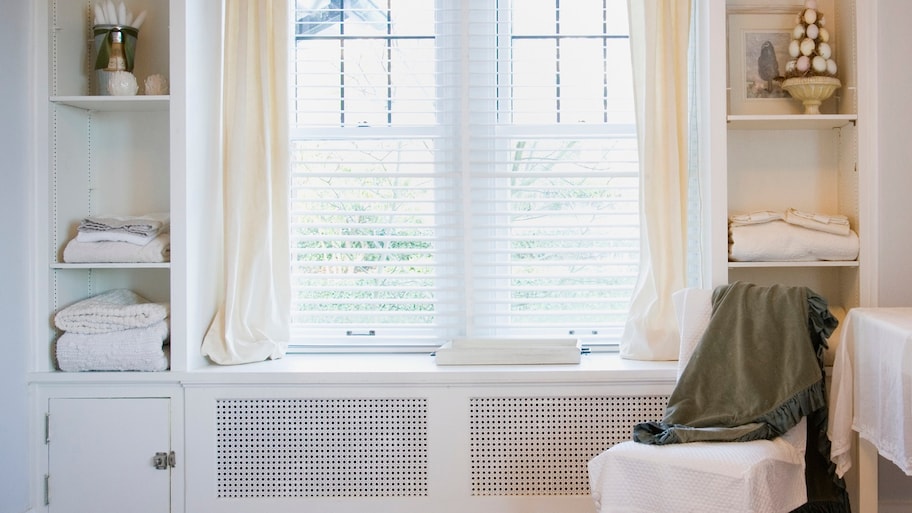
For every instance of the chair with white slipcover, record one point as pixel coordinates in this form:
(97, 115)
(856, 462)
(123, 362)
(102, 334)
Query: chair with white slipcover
(759, 476)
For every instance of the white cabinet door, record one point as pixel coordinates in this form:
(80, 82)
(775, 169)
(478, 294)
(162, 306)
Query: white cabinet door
(101, 455)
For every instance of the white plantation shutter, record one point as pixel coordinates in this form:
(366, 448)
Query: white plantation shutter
(462, 169)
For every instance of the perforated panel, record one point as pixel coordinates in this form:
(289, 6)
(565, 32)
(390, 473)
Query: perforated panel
(321, 448)
(542, 445)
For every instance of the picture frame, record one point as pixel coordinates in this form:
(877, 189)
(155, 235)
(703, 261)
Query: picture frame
(750, 35)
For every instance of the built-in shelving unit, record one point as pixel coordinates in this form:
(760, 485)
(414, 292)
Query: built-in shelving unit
(107, 155)
(775, 160)
(785, 159)
(129, 155)
(123, 155)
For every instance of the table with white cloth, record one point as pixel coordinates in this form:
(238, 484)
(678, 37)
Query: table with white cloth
(871, 394)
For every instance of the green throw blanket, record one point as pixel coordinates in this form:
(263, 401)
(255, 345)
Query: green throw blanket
(757, 370)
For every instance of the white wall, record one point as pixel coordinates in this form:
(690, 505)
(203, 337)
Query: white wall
(894, 216)
(15, 40)
(894, 43)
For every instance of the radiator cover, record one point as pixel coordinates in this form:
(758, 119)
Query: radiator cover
(321, 448)
(287, 448)
(542, 445)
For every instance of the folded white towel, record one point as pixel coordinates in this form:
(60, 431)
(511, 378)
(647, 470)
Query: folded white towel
(761, 216)
(114, 310)
(137, 349)
(837, 224)
(779, 241)
(159, 250)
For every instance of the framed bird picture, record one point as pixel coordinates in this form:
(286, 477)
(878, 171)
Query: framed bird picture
(758, 50)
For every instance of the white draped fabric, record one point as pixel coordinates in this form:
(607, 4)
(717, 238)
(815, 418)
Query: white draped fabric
(871, 392)
(659, 40)
(252, 322)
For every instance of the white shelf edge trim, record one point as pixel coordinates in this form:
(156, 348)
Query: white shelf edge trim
(126, 265)
(827, 263)
(115, 103)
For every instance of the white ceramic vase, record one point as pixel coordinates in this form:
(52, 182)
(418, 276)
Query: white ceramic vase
(122, 83)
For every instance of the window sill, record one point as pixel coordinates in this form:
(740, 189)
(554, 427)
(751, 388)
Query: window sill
(389, 369)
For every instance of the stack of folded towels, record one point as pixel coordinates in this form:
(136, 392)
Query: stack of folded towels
(792, 236)
(118, 330)
(108, 239)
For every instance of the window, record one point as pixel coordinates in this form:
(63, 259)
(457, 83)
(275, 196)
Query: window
(462, 169)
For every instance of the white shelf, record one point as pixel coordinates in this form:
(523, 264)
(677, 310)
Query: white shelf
(790, 121)
(115, 103)
(125, 265)
(820, 263)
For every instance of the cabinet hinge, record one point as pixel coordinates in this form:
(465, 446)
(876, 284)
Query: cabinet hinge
(47, 489)
(164, 460)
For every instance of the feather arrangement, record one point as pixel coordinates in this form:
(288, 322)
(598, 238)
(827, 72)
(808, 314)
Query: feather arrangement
(106, 13)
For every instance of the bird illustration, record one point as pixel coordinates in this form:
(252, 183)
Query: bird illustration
(767, 65)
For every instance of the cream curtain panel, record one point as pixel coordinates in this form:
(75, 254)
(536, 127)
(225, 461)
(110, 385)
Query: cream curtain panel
(659, 40)
(252, 322)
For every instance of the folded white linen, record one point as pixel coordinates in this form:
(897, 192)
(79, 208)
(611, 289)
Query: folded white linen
(148, 224)
(838, 224)
(761, 216)
(159, 250)
(115, 236)
(137, 349)
(111, 311)
(779, 241)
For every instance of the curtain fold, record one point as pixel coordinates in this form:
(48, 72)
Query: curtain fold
(659, 40)
(253, 318)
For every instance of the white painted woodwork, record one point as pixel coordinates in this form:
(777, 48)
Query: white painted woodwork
(100, 454)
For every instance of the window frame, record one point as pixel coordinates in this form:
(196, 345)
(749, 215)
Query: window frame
(317, 341)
